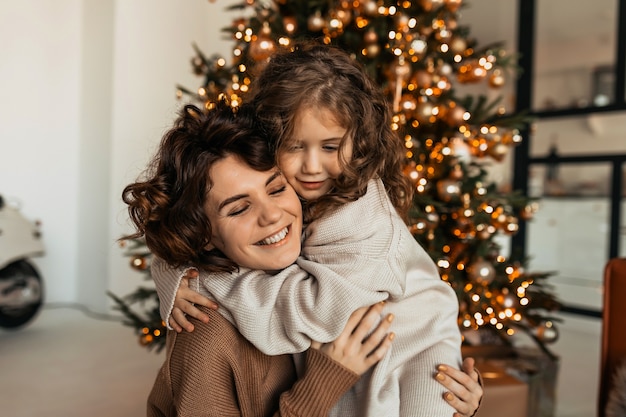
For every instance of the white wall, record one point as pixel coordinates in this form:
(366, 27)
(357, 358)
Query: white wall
(39, 129)
(88, 89)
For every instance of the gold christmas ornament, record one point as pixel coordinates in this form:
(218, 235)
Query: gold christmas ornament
(423, 110)
(448, 189)
(139, 263)
(291, 24)
(457, 174)
(458, 45)
(316, 23)
(481, 271)
(370, 36)
(369, 7)
(498, 151)
(547, 332)
(423, 78)
(496, 79)
(262, 46)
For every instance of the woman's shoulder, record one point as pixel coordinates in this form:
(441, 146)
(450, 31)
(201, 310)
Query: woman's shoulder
(217, 337)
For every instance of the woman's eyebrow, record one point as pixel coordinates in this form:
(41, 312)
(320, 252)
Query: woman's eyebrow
(230, 200)
(236, 197)
(272, 177)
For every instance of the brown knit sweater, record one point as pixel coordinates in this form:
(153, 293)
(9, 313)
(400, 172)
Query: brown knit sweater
(215, 372)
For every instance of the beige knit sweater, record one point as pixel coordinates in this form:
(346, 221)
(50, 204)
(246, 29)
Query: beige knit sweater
(360, 254)
(215, 372)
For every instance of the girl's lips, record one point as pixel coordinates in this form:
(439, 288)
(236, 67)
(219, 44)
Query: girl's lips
(312, 185)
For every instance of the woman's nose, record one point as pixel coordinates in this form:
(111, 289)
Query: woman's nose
(271, 212)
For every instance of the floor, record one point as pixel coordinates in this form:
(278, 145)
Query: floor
(66, 363)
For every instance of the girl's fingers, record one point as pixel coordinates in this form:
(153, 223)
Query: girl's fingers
(178, 321)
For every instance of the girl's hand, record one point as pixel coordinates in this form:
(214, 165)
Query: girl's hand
(466, 390)
(357, 349)
(184, 305)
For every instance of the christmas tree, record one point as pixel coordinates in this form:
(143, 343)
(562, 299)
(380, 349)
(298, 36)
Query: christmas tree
(421, 56)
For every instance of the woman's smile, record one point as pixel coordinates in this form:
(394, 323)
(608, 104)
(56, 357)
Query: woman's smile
(278, 238)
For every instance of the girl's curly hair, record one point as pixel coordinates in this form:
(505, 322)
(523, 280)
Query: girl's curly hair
(316, 76)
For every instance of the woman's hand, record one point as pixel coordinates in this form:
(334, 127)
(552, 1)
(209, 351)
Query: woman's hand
(184, 305)
(465, 388)
(357, 349)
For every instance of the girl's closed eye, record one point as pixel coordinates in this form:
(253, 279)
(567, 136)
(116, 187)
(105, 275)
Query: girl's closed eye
(295, 147)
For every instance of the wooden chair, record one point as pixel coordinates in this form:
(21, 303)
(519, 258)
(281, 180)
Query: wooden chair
(613, 349)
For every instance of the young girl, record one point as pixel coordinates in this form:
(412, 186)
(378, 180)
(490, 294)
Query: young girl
(208, 168)
(336, 148)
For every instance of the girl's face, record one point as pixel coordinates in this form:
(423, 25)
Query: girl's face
(310, 161)
(256, 216)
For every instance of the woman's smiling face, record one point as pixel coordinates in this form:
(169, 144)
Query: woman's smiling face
(256, 217)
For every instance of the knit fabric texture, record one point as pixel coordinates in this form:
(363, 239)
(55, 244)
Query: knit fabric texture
(216, 372)
(358, 255)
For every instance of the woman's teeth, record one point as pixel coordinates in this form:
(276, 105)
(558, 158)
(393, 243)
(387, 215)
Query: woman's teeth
(276, 238)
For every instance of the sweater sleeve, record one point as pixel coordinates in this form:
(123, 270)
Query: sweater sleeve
(214, 372)
(346, 265)
(167, 281)
(318, 390)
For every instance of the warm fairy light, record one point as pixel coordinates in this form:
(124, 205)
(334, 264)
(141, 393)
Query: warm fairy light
(524, 301)
(443, 263)
(475, 298)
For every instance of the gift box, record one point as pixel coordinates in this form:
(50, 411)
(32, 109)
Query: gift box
(504, 395)
(504, 368)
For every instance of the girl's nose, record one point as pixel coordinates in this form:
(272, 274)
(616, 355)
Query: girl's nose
(311, 163)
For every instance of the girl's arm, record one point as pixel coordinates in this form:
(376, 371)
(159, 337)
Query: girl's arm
(178, 292)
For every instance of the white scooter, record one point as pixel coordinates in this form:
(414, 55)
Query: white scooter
(21, 287)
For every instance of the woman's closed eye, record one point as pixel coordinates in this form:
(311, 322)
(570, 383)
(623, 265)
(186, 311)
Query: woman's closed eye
(236, 211)
(278, 190)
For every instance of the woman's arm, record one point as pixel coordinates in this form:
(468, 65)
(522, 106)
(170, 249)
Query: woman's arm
(215, 372)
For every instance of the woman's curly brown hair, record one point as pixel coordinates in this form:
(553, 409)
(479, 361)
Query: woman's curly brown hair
(316, 76)
(167, 206)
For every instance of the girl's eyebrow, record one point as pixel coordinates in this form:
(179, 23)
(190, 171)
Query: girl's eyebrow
(236, 197)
